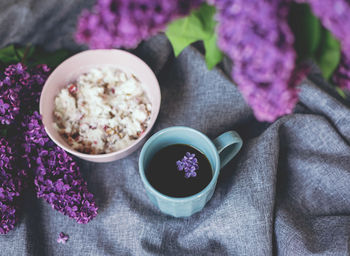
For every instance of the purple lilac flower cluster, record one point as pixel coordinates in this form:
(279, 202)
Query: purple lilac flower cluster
(13, 79)
(189, 164)
(57, 177)
(31, 93)
(124, 23)
(20, 87)
(260, 43)
(11, 185)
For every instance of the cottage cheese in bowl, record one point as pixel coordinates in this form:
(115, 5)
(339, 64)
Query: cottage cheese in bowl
(105, 110)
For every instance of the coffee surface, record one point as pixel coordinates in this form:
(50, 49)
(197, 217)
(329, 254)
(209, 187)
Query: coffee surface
(163, 174)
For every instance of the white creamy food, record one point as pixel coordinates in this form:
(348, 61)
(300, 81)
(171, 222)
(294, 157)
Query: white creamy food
(103, 111)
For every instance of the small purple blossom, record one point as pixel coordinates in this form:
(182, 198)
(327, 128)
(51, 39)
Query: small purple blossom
(62, 238)
(189, 164)
(17, 73)
(125, 23)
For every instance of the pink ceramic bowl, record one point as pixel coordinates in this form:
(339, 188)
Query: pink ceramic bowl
(71, 68)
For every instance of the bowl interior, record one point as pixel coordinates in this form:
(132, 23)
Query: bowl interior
(82, 62)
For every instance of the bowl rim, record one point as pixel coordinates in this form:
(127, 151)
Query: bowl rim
(118, 152)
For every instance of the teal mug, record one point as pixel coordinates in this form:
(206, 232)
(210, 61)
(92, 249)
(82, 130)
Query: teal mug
(219, 152)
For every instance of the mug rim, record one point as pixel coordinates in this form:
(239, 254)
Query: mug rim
(204, 191)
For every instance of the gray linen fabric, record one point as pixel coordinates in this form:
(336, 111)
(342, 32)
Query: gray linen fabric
(286, 193)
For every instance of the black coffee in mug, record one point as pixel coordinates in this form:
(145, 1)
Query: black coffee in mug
(179, 170)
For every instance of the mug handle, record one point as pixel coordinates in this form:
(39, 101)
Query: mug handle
(228, 145)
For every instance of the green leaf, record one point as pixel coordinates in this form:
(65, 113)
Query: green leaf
(307, 30)
(183, 32)
(32, 56)
(25, 53)
(328, 55)
(340, 92)
(8, 55)
(212, 53)
(312, 40)
(52, 59)
(206, 15)
(199, 25)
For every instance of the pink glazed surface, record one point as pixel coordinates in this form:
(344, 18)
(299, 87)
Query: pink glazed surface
(71, 68)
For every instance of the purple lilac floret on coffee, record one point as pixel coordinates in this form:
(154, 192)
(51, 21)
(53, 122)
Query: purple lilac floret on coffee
(189, 164)
(62, 238)
(57, 176)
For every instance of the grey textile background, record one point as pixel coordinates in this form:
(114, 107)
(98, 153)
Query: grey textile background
(286, 193)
